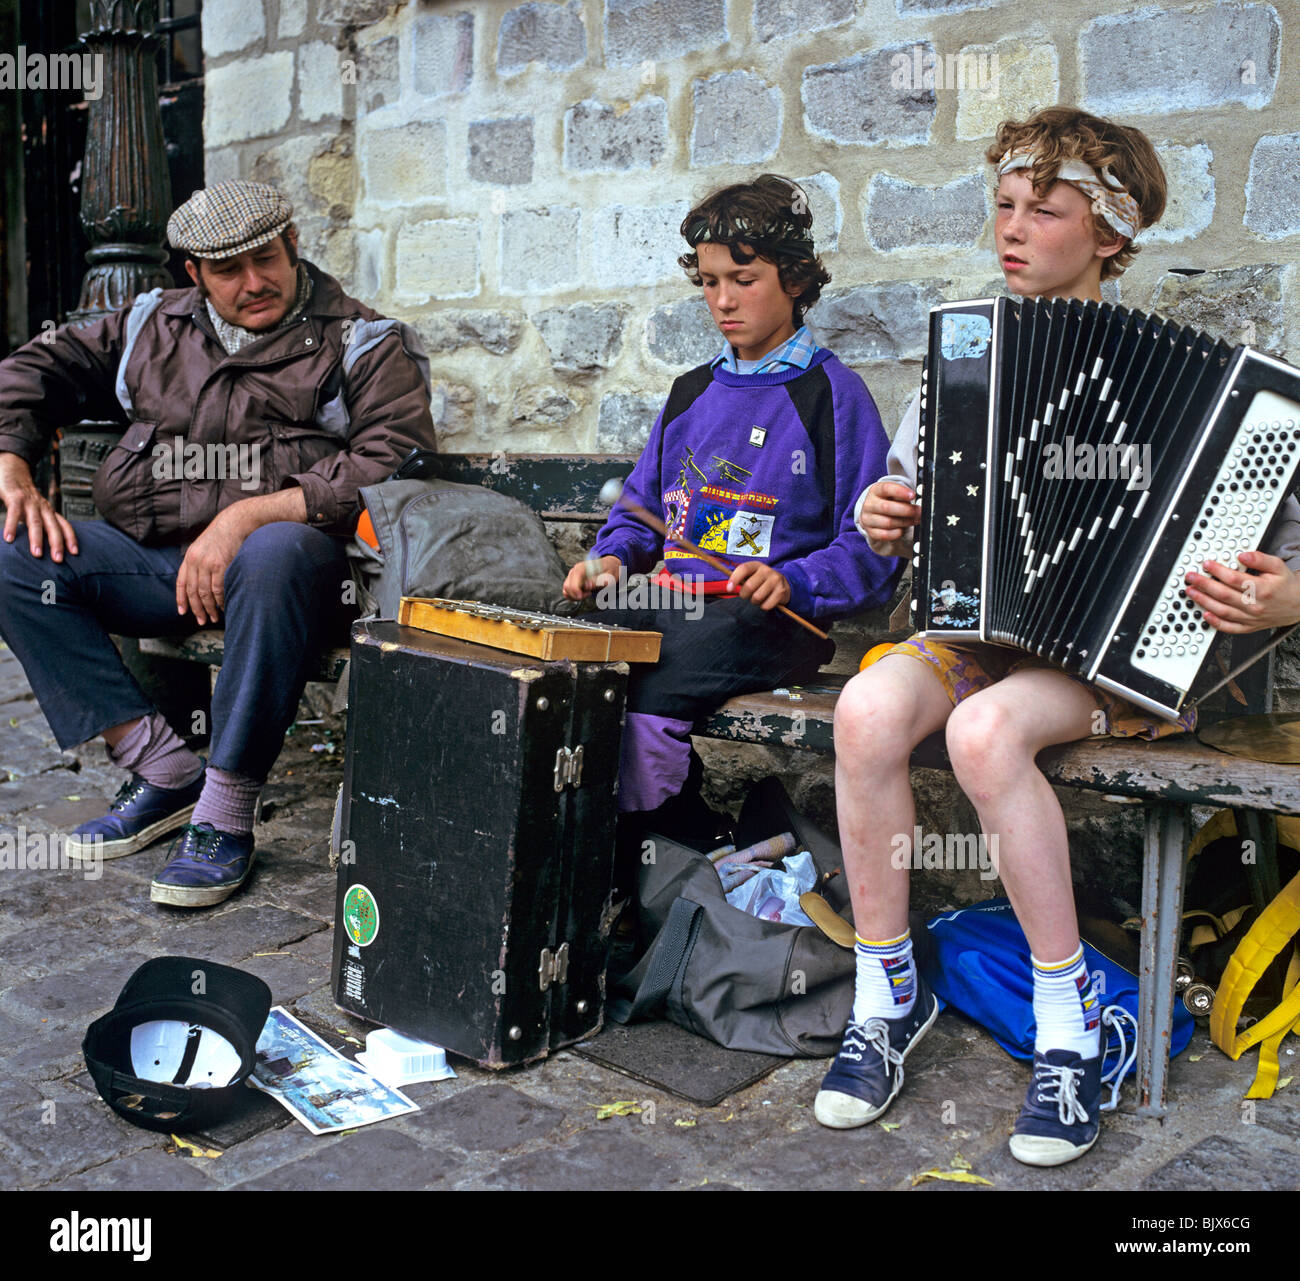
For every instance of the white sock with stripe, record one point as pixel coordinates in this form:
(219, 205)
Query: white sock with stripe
(885, 987)
(1067, 1008)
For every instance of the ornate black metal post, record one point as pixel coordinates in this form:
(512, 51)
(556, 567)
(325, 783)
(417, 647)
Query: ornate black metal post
(125, 202)
(125, 191)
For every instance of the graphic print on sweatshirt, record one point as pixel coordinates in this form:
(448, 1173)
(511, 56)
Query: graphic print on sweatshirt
(716, 516)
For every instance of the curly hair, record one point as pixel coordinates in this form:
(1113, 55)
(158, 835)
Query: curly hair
(1058, 134)
(768, 218)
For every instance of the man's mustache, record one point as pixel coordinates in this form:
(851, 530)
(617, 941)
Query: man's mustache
(248, 299)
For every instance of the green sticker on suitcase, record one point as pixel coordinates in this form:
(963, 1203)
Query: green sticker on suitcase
(360, 915)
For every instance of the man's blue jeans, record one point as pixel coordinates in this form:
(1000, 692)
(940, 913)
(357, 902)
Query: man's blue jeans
(284, 590)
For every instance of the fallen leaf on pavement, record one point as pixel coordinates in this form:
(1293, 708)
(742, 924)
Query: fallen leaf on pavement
(192, 1149)
(949, 1176)
(621, 1107)
(959, 1173)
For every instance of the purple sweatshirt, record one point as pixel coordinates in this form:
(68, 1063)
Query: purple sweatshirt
(763, 467)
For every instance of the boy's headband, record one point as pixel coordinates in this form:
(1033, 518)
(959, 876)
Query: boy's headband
(778, 236)
(1109, 199)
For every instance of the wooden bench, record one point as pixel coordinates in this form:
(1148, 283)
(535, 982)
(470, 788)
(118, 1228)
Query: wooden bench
(1167, 777)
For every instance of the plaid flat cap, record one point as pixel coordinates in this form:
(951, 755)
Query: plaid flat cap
(228, 219)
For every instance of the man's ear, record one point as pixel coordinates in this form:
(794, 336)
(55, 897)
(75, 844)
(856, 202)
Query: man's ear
(192, 270)
(292, 233)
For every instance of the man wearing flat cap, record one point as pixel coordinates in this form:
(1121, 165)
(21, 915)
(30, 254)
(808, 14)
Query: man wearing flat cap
(254, 406)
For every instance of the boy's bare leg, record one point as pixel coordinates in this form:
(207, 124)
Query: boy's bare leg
(993, 737)
(880, 716)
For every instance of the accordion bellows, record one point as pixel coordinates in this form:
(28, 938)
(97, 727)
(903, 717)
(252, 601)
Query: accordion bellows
(1077, 460)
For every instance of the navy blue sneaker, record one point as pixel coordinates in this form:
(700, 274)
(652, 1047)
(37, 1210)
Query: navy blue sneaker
(205, 866)
(1061, 1117)
(868, 1071)
(139, 815)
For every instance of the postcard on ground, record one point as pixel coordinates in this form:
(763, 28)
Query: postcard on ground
(325, 1091)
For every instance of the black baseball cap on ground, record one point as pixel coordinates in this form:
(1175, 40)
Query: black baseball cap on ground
(174, 1052)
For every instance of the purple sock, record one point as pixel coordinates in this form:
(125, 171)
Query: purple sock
(228, 801)
(157, 753)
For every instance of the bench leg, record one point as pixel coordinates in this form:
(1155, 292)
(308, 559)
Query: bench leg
(1163, 869)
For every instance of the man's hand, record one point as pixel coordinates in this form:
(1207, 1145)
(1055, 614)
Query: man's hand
(888, 515)
(761, 584)
(201, 581)
(25, 505)
(588, 576)
(1238, 603)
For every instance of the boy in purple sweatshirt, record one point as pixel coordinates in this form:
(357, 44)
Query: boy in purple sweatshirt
(757, 457)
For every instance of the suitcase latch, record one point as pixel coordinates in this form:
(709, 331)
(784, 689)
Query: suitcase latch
(553, 966)
(568, 767)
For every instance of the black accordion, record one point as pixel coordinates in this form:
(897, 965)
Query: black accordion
(1077, 460)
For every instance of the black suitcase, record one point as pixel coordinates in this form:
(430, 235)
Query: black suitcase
(477, 851)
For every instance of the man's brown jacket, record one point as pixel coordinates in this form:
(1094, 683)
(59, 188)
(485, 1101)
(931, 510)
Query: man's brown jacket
(331, 403)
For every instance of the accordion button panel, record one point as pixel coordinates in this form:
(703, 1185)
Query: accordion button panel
(1175, 637)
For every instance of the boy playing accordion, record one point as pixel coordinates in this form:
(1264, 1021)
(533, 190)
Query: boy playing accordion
(1073, 190)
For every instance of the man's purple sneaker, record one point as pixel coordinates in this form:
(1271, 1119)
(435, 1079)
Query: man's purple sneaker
(139, 815)
(868, 1071)
(204, 866)
(1061, 1118)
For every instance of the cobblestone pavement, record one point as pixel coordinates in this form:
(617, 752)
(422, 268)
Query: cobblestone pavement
(70, 943)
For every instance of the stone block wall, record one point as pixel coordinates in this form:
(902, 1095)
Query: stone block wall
(510, 176)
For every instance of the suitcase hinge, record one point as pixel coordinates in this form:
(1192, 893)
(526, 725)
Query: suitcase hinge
(568, 767)
(553, 966)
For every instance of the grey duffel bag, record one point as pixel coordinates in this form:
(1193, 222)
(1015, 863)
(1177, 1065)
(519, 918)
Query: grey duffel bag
(745, 983)
(463, 542)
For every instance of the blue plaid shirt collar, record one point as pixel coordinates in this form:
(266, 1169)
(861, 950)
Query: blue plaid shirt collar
(795, 353)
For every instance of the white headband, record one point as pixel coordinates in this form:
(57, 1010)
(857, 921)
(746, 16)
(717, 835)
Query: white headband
(1109, 199)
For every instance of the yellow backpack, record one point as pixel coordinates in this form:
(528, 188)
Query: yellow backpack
(1273, 932)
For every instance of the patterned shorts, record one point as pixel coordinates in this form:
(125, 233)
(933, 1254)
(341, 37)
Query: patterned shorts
(967, 669)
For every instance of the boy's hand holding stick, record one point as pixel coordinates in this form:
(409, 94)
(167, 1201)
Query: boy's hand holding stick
(612, 492)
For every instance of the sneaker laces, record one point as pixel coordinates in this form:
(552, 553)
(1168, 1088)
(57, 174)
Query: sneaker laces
(874, 1035)
(127, 793)
(1115, 1017)
(1066, 1080)
(195, 840)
